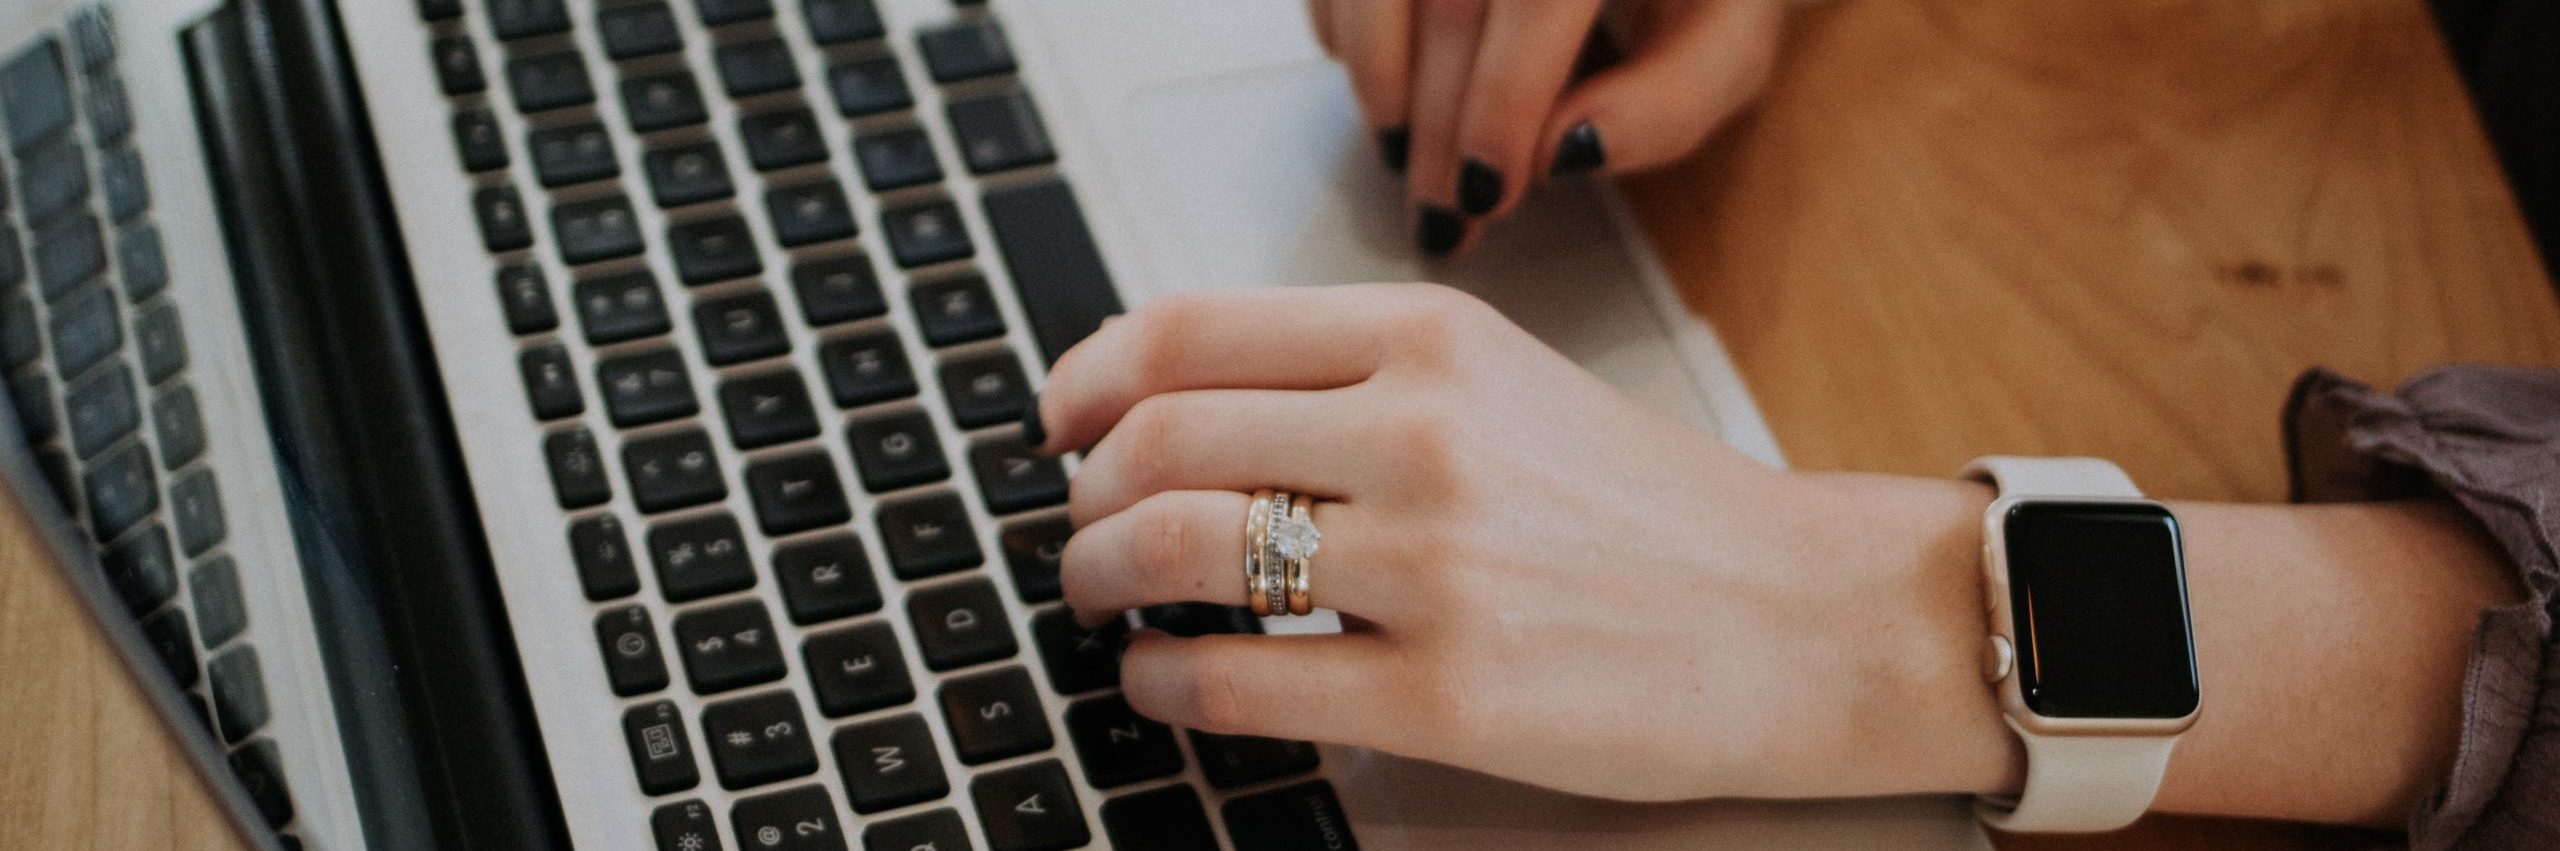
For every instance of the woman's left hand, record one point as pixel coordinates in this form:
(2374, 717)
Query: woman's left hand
(1539, 578)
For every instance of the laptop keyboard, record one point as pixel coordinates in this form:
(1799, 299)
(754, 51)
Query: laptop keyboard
(96, 358)
(717, 686)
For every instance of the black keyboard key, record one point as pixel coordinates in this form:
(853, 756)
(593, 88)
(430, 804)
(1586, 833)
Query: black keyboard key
(142, 568)
(719, 12)
(960, 625)
(857, 669)
(700, 557)
(55, 178)
(688, 174)
(965, 51)
(13, 257)
(101, 409)
(925, 233)
(767, 409)
(525, 296)
(758, 740)
(796, 493)
(756, 67)
(1296, 818)
(684, 826)
(1192, 620)
(869, 86)
(646, 387)
(32, 394)
(195, 505)
(896, 450)
(515, 19)
(728, 647)
(837, 289)
(928, 536)
(840, 21)
(1012, 477)
(1031, 808)
(476, 136)
(578, 153)
(897, 158)
(109, 110)
(1031, 549)
(139, 259)
(179, 424)
(93, 38)
(121, 180)
(1078, 659)
(122, 490)
(866, 369)
(633, 663)
(221, 612)
(660, 751)
(809, 212)
(1000, 132)
(931, 830)
(21, 341)
(739, 328)
(549, 82)
(714, 250)
(261, 774)
(551, 382)
(890, 763)
(782, 139)
(457, 65)
(159, 341)
(825, 579)
(239, 692)
(1117, 745)
(439, 10)
(577, 471)
(985, 389)
(602, 553)
(620, 307)
(503, 226)
(68, 251)
(56, 468)
(956, 310)
(635, 30)
(802, 819)
(995, 715)
(1165, 819)
(673, 471)
(1057, 274)
(1231, 761)
(601, 229)
(35, 93)
(663, 101)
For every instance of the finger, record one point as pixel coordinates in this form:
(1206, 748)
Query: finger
(1375, 43)
(1188, 547)
(1320, 19)
(1294, 338)
(1325, 688)
(1522, 63)
(1698, 64)
(1232, 440)
(1445, 34)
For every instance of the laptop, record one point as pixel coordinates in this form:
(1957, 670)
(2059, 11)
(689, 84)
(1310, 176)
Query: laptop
(537, 423)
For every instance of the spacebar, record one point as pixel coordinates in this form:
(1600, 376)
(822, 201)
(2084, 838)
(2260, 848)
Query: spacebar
(1057, 274)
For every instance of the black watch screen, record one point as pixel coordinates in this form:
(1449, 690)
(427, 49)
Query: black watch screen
(2098, 593)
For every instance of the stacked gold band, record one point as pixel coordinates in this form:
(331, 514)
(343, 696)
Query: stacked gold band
(1279, 540)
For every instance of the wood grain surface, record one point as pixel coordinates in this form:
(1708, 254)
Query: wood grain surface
(1953, 227)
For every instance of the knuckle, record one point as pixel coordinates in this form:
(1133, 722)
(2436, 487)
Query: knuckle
(1167, 541)
(1213, 698)
(1163, 330)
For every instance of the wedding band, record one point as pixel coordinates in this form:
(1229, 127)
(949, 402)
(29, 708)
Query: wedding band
(1275, 581)
(1294, 540)
(1257, 544)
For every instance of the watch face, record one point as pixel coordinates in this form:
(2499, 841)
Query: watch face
(2098, 592)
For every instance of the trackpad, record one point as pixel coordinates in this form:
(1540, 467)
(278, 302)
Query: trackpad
(1267, 176)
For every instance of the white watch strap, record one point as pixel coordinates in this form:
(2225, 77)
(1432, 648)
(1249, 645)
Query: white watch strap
(2074, 783)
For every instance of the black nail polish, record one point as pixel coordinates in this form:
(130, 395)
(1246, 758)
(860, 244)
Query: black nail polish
(1438, 231)
(1579, 151)
(1032, 432)
(1479, 187)
(1393, 144)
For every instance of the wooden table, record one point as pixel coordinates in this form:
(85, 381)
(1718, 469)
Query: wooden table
(1953, 227)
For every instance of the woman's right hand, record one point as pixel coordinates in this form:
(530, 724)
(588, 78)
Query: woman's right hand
(1474, 100)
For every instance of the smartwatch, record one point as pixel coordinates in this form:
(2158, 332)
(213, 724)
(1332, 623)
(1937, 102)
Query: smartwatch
(2090, 644)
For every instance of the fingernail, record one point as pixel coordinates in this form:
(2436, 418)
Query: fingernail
(1033, 434)
(1438, 231)
(1479, 187)
(1578, 152)
(1393, 144)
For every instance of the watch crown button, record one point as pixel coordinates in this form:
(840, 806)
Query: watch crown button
(1997, 658)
